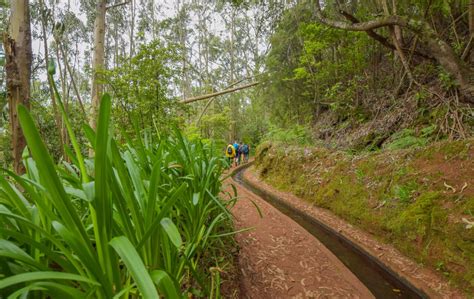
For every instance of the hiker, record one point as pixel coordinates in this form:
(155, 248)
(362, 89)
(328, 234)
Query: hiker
(230, 153)
(236, 156)
(245, 152)
(241, 153)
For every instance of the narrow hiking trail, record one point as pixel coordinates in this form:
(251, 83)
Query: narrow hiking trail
(280, 259)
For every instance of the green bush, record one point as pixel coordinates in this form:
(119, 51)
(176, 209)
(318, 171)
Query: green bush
(299, 135)
(407, 138)
(141, 219)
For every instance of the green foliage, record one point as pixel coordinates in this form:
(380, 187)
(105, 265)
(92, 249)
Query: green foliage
(447, 81)
(297, 134)
(142, 218)
(314, 68)
(339, 80)
(409, 138)
(140, 87)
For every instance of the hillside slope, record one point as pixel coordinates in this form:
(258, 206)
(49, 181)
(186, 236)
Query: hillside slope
(420, 200)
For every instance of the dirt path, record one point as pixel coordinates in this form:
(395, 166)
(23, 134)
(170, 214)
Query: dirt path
(280, 259)
(424, 278)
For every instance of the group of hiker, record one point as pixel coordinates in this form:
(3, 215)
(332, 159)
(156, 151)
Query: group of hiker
(237, 153)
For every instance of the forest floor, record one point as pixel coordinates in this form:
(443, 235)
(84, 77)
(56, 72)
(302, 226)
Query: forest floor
(280, 259)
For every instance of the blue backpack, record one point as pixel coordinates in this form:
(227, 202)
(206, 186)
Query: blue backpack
(245, 149)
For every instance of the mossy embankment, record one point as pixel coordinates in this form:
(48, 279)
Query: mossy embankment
(420, 200)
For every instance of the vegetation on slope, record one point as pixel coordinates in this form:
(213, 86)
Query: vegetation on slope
(350, 90)
(421, 200)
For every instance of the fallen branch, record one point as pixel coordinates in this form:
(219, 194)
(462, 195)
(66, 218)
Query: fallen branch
(117, 5)
(215, 94)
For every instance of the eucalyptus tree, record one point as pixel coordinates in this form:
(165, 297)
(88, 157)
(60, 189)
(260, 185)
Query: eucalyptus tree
(18, 54)
(98, 57)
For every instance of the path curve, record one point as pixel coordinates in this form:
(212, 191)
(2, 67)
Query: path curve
(280, 259)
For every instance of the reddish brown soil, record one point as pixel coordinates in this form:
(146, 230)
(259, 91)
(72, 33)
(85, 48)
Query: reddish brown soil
(280, 259)
(457, 173)
(262, 246)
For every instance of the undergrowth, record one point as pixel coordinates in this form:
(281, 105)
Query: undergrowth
(140, 219)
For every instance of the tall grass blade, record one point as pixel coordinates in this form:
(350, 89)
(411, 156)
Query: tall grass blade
(135, 265)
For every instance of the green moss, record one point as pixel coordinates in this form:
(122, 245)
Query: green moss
(396, 195)
(415, 221)
(368, 166)
(448, 150)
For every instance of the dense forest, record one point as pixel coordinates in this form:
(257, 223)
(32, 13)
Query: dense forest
(321, 77)
(119, 113)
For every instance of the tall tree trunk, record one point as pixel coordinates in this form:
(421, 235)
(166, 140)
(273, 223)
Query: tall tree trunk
(98, 58)
(234, 100)
(17, 45)
(132, 29)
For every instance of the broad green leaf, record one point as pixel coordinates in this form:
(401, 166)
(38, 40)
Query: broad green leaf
(135, 265)
(55, 290)
(9, 249)
(165, 284)
(172, 231)
(48, 173)
(90, 134)
(195, 199)
(43, 275)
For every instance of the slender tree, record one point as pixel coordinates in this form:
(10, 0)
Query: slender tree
(18, 54)
(98, 57)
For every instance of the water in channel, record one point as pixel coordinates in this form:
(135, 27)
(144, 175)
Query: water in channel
(381, 281)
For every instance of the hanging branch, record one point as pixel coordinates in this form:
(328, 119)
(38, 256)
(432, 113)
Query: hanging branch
(215, 94)
(436, 47)
(228, 86)
(380, 38)
(117, 5)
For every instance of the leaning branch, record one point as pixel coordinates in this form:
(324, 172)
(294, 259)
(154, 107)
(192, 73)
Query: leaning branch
(381, 39)
(436, 47)
(117, 5)
(215, 94)
(364, 26)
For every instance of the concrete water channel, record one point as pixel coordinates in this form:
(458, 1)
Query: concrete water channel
(377, 277)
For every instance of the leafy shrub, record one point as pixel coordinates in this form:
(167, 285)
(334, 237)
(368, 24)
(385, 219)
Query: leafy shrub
(406, 139)
(297, 134)
(140, 219)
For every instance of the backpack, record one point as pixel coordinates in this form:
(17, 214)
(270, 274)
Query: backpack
(229, 150)
(245, 149)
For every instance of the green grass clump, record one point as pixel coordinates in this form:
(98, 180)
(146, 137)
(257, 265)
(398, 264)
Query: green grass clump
(142, 219)
(406, 139)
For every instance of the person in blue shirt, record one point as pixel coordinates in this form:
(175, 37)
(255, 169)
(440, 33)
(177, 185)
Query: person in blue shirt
(237, 153)
(245, 149)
